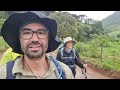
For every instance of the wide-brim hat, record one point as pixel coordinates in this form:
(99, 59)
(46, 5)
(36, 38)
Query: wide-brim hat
(69, 39)
(11, 27)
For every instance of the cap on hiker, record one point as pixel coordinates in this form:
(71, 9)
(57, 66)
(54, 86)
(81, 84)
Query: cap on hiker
(69, 39)
(12, 26)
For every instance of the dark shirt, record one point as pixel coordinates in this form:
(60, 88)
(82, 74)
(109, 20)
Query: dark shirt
(77, 57)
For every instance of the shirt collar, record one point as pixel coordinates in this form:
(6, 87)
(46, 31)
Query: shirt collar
(18, 67)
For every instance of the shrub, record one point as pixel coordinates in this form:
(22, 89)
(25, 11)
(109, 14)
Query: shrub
(3, 44)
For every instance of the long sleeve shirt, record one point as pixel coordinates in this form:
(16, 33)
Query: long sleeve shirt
(77, 57)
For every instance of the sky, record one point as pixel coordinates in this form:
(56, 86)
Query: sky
(96, 15)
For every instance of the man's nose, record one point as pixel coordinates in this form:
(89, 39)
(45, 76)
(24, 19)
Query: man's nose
(35, 37)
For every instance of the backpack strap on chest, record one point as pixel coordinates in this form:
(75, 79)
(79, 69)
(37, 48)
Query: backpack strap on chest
(60, 71)
(9, 67)
(62, 50)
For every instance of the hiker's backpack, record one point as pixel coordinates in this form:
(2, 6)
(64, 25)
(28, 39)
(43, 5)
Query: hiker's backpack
(69, 60)
(59, 71)
(62, 50)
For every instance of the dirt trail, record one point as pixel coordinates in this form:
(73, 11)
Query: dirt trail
(91, 74)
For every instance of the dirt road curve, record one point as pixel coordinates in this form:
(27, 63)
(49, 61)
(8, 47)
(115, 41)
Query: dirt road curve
(91, 74)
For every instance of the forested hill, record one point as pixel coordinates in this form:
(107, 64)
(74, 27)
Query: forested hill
(112, 22)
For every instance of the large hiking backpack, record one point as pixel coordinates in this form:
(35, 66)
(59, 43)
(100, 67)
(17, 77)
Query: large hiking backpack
(70, 61)
(59, 71)
(61, 51)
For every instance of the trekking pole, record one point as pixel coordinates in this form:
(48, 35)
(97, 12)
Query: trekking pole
(84, 71)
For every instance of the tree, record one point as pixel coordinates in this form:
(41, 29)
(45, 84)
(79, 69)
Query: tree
(118, 36)
(3, 14)
(74, 15)
(103, 41)
(67, 24)
(100, 41)
(82, 18)
(10, 12)
(46, 12)
(97, 28)
(49, 12)
(84, 32)
(89, 21)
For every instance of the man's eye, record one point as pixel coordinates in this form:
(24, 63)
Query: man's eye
(26, 32)
(41, 32)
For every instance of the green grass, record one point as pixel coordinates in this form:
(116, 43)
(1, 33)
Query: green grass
(111, 55)
(106, 64)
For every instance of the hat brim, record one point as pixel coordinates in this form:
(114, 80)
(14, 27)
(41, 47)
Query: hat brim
(74, 42)
(10, 30)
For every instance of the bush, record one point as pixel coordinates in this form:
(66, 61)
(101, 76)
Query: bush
(95, 55)
(87, 54)
(111, 55)
(109, 44)
(81, 47)
(78, 47)
(1, 23)
(3, 44)
(106, 66)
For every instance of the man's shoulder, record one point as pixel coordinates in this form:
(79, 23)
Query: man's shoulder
(67, 70)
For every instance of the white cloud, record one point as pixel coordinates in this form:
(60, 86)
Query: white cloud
(97, 15)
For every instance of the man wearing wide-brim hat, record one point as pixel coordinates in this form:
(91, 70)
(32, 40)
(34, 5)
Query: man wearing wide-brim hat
(69, 55)
(32, 34)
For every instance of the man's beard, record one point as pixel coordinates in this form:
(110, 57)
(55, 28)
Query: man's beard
(35, 54)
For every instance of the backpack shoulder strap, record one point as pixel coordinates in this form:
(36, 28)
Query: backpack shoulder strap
(9, 67)
(74, 52)
(60, 71)
(61, 50)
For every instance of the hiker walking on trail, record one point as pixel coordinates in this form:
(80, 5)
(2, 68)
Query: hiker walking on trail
(69, 55)
(32, 35)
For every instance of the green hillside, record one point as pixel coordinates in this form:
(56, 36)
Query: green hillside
(114, 33)
(112, 22)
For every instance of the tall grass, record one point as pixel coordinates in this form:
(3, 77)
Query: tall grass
(111, 55)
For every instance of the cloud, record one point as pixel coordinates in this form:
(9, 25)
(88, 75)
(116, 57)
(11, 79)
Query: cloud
(96, 15)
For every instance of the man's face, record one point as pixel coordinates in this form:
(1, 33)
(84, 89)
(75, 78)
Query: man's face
(69, 44)
(34, 40)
